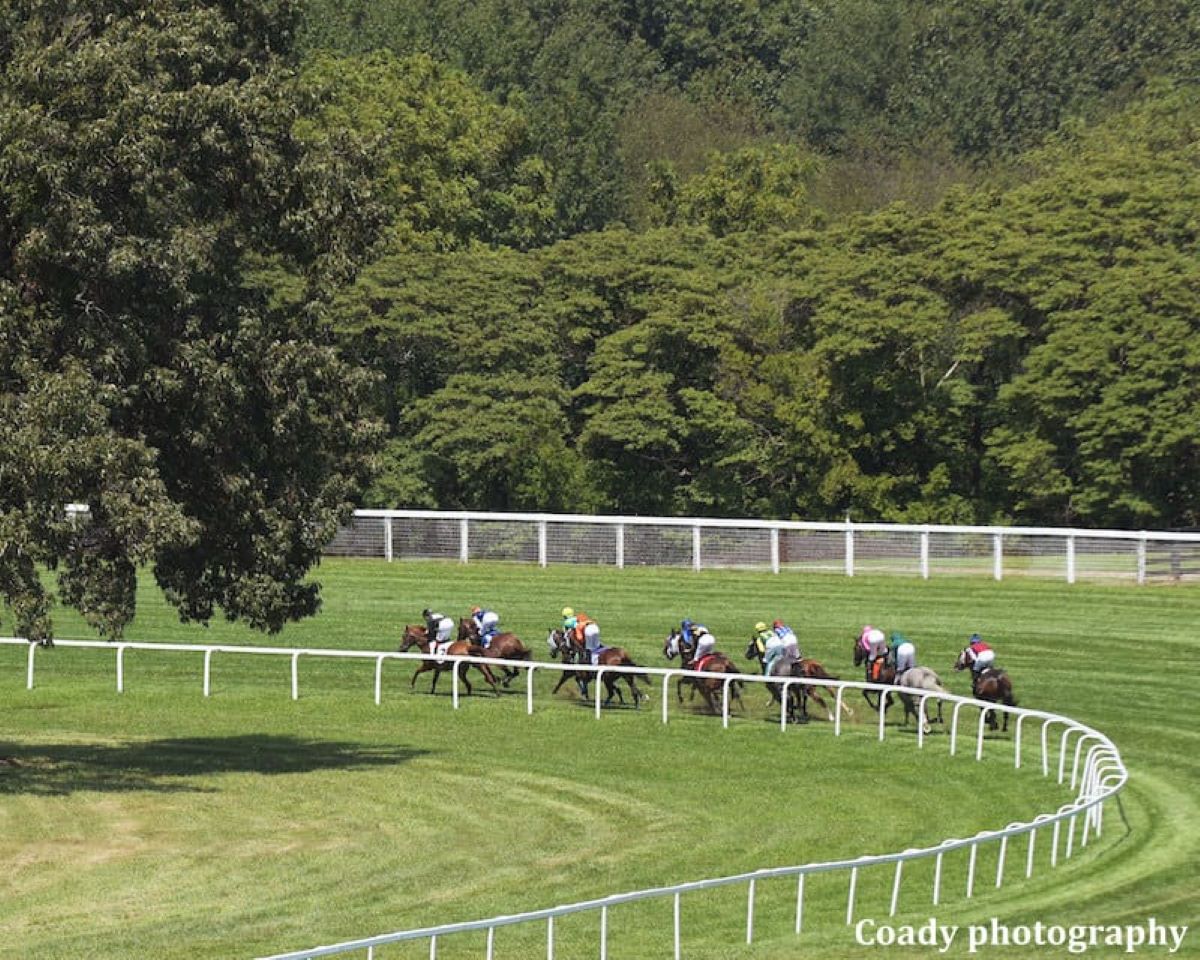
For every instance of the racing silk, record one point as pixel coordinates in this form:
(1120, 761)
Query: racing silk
(705, 644)
(488, 623)
(876, 643)
(591, 639)
(864, 640)
(903, 653)
(784, 651)
(980, 656)
(691, 633)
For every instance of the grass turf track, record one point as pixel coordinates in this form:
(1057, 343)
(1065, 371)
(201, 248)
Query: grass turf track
(157, 823)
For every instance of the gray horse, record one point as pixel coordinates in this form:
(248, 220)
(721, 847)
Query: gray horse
(923, 679)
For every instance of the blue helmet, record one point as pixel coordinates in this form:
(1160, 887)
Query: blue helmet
(687, 624)
(975, 638)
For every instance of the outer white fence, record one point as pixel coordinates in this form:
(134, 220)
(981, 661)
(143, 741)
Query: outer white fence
(850, 548)
(1096, 774)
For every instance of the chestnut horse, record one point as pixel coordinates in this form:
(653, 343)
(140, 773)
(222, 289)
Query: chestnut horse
(992, 684)
(504, 646)
(571, 652)
(804, 668)
(716, 663)
(415, 636)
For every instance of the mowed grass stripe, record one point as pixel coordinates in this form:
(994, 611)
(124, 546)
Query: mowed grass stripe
(248, 823)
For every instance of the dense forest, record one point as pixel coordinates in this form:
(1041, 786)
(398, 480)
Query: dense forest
(265, 260)
(897, 259)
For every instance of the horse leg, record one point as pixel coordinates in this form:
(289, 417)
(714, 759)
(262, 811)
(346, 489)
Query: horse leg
(562, 678)
(812, 692)
(679, 689)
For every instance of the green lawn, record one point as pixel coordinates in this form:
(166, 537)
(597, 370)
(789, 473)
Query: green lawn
(160, 823)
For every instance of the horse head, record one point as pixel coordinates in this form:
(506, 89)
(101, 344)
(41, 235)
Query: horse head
(860, 653)
(414, 636)
(961, 662)
(468, 629)
(754, 649)
(554, 640)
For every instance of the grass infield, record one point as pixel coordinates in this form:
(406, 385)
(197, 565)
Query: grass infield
(160, 823)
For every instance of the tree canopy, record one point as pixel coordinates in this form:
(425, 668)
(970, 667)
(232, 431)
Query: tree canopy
(148, 162)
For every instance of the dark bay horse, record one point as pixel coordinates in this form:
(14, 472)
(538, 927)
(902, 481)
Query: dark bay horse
(878, 671)
(415, 636)
(991, 684)
(715, 663)
(504, 646)
(571, 652)
(799, 693)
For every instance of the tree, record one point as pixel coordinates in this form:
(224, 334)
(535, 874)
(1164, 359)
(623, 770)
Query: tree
(147, 163)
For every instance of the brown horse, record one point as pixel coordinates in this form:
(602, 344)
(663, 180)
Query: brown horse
(991, 684)
(572, 652)
(715, 663)
(416, 636)
(876, 671)
(799, 693)
(504, 646)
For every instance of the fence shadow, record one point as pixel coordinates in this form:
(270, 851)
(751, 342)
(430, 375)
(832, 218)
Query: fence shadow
(59, 769)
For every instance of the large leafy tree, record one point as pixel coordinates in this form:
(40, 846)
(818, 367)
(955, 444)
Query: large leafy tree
(148, 162)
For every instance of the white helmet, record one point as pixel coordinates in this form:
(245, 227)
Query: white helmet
(875, 635)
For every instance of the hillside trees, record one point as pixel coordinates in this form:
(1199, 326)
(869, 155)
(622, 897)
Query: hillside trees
(144, 156)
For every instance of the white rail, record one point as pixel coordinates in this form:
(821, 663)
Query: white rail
(1095, 777)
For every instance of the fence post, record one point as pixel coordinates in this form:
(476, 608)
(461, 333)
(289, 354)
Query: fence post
(620, 546)
(1029, 854)
(296, 676)
(677, 930)
(799, 902)
(774, 549)
(549, 938)
(1141, 558)
(971, 869)
(666, 680)
(997, 556)
(29, 667)
(925, 554)
(896, 889)
(453, 681)
(541, 543)
(208, 671)
(1000, 861)
(725, 703)
(121, 669)
(599, 676)
(849, 548)
(696, 547)
(529, 689)
(387, 539)
(463, 540)
(850, 899)
(750, 913)
(1070, 558)
(937, 878)
(603, 933)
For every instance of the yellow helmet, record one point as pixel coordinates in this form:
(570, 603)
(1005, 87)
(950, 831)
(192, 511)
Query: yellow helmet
(760, 627)
(568, 612)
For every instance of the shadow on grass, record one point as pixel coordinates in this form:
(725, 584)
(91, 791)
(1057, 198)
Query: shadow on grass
(159, 765)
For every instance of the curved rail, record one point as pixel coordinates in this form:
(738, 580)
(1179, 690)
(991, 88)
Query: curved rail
(1096, 776)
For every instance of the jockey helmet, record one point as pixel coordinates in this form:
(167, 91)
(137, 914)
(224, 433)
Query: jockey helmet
(777, 623)
(760, 626)
(975, 638)
(687, 624)
(568, 612)
(476, 610)
(875, 636)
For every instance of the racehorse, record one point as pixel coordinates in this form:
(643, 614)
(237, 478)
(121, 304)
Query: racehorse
(504, 646)
(919, 678)
(884, 673)
(992, 685)
(804, 668)
(416, 636)
(571, 652)
(716, 662)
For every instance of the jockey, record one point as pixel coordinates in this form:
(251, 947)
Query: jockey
(438, 628)
(587, 633)
(689, 633)
(979, 655)
(902, 652)
(765, 639)
(568, 621)
(705, 641)
(487, 624)
(873, 641)
(785, 651)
